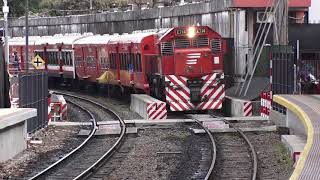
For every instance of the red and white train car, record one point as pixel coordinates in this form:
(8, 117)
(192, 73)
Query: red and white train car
(182, 66)
(17, 48)
(58, 54)
(91, 57)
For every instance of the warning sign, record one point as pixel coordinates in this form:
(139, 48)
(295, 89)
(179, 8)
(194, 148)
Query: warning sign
(38, 62)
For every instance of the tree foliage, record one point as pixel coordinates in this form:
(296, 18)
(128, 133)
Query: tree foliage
(67, 7)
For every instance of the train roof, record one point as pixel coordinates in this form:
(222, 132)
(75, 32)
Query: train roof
(69, 39)
(95, 39)
(18, 41)
(131, 38)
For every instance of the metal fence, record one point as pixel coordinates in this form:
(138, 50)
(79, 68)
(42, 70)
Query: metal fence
(33, 92)
(309, 65)
(283, 72)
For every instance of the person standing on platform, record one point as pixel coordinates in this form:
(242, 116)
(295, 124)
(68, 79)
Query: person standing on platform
(16, 61)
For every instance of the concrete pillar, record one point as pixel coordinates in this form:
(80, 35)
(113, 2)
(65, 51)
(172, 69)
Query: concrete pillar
(294, 124)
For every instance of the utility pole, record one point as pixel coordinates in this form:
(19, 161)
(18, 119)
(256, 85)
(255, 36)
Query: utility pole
(5, 10)
(281, 24)
(27, 37)
(2, 80)
(5, 61)
(91, 5)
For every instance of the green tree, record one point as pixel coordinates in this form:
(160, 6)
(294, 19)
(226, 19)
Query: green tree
(18, 7)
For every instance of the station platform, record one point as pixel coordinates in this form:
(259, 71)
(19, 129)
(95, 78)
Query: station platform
(306, 109)
(13, 131)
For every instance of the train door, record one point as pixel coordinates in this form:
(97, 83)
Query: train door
(90, 59)
(104, 64)
(79, 62)
(97, 62)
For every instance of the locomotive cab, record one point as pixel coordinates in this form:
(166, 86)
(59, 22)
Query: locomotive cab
(193, 68)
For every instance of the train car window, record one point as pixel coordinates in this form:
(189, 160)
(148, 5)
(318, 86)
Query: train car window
(49, 58)
(135, 62)
(53, 58)
(56, 58)
(120, 57)
(110, 59)
(91, 61)
(126, 63)
(63, 58)
(131, 62)
(139, 63)
(78, 60)
(123, 61)
(113, 63)
(41, 54)
(103, 61)
(69, 56)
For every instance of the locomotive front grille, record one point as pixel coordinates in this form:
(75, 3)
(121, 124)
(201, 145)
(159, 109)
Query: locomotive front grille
(166, 48)
(202, 41)
(216, 45)
(182, 43)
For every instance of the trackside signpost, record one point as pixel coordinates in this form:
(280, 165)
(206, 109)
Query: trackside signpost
(38, 62)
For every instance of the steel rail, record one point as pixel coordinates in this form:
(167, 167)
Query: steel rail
(253, 151)
(52, 166)
(214, 148)
(108, 154)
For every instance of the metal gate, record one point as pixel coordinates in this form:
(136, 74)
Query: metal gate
(282, 73)
(33, 92)
(309, 71)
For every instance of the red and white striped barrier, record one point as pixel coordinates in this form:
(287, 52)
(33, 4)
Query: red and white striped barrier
(265, 104)
(49, 108)
(148, 107)
(247, 108)
(63, 107)
(58, 107)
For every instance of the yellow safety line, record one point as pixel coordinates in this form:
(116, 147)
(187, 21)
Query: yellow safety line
(307, 125)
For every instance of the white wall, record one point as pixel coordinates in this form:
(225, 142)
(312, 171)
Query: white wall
(314, 11)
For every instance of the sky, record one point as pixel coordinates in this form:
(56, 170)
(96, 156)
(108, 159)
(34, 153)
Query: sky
(314, 11)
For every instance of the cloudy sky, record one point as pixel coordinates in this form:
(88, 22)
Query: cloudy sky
(315, 10)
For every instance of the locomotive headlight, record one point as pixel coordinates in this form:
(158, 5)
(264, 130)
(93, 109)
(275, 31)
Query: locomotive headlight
(191, 32)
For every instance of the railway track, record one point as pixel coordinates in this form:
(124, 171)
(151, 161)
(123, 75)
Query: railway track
(91, 154)
(236, 156)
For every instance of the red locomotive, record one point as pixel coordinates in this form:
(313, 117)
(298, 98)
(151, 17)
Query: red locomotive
(182, 66)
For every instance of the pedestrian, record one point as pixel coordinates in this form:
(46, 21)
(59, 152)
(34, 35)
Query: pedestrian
(16, 61)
